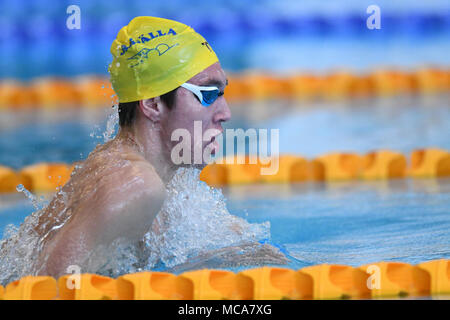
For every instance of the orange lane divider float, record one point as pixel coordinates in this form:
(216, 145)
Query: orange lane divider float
(381, 164)
(399, 279)
(219, 284)
(325, 281)
(337, 166)
(338, 282)
(55, 93)
(280, 283)
(95, 91)
(430, 163)
(384, 164)
(87, 287)
(31, 288)
(154, 286)
(9, 179)
(44, 177)
(440, 275)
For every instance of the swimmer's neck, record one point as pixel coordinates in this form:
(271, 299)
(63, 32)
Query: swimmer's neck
(146, 140)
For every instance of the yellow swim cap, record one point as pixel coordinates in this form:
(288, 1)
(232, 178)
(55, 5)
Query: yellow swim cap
(152, 56)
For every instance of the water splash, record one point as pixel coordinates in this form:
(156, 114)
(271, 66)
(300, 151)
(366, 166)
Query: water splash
(111, 126)
(21, 246)
(195, 220)
(19, 249)
(96, 132)
(38, 203)
(112, 123)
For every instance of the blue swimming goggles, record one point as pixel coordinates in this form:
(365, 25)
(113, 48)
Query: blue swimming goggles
(206, 95)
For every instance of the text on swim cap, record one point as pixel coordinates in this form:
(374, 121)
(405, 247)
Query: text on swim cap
(143, 38)
(142, 55)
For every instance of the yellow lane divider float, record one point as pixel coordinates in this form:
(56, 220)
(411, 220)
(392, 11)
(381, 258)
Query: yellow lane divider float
(325, 281)
(381, 164)
(95, 91)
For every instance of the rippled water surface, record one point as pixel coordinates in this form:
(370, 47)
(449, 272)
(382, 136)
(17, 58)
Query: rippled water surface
(354, 223)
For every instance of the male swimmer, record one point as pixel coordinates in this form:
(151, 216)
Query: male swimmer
(166, 76)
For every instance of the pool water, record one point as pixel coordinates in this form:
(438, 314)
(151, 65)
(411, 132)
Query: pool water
(350, 223)
(353, 223)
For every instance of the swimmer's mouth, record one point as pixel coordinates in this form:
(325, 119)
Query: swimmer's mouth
(215, 144)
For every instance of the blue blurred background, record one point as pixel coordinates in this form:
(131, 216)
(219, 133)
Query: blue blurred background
(282, 36)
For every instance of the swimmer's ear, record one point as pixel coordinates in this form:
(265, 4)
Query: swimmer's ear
(152, 108)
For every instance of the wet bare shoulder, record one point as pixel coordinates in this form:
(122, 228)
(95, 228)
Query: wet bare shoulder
(130, 179)
(127, 200)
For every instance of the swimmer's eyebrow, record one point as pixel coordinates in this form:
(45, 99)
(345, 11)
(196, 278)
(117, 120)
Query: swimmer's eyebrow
(215, 82)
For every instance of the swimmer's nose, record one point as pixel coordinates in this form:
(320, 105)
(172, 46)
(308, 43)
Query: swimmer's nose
(223, 112)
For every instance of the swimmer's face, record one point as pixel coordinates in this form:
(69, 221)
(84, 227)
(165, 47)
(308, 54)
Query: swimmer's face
(187, 111)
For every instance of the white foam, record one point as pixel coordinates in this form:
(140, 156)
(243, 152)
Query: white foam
(194, 220)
